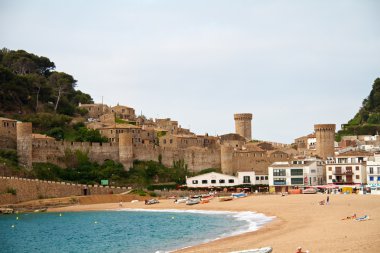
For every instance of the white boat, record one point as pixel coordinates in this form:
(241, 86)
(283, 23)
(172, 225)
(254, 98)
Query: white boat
(151, 202)
(193, 201)
(181, 200)
(260, 250)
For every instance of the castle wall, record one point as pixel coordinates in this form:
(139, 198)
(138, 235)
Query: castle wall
(54, 151)
(196, 158)
(30, 189)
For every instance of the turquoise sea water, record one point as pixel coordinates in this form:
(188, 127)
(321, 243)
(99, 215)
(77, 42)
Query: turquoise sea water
(120, 231)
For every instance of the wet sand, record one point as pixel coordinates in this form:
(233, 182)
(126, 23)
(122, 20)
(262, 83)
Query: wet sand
(300, 221)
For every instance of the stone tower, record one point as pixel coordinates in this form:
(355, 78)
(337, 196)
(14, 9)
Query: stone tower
(24, 144)
(226, 157)
(126, 150)
(325, 134)
(243, 125)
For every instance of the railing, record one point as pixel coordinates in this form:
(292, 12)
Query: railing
(348, 173)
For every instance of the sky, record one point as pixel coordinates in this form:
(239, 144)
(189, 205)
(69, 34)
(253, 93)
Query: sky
(291, 63)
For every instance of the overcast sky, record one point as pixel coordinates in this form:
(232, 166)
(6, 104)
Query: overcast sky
(292, 64)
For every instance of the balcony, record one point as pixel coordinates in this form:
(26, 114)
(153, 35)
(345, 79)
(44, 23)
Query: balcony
(343, 182)
(341, 173)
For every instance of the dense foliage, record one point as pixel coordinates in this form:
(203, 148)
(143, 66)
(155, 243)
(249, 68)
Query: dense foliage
(367, 120)
(28, 83)
(80, 169)
(31, 91)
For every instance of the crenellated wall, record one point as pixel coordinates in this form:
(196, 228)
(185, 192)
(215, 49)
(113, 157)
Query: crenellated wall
(30, 189)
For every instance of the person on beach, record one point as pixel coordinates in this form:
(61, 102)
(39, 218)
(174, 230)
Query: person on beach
(299, 250)
(327, 200)
(121, 204)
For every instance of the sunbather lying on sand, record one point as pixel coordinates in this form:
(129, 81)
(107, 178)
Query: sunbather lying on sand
(350, 217)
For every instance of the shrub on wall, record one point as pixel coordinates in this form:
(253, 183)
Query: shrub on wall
(10, 190)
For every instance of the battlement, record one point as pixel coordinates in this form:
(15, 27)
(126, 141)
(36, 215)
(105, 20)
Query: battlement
(243, 116)
(29, 189)
(324, 127)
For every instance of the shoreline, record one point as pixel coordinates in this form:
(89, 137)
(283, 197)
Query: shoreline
(299, 221)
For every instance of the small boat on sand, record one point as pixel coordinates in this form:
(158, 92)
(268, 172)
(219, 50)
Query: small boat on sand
(239, 195)
(260, 250)
(226, 198)
(193, 201)
(181, 200)
(151, 202)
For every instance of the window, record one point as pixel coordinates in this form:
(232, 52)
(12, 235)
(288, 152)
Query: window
(257, 178)
(370, 178)
(279, 181)
(195, 181)
(164, 141)
(330, 177)
(262, 177)
(222, 181)
(213, 181)
(171, 141)
(378, 178)
(279, 172)
(204, 181)
(296, 172)
(357, 167)
(231, 181)
(266, 177)
(246, 179)
(370, 170)
(357, 176)
(297, 180)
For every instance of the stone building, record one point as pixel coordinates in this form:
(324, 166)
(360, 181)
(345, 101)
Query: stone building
(124, 112)
(8, 133)
(95, 110)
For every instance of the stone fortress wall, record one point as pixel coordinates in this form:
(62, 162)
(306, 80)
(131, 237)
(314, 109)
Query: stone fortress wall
(29, 189)
(230, 152)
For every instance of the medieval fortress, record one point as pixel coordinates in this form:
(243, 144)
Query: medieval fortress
(132, 137)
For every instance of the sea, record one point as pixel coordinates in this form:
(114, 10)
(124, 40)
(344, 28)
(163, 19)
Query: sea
(123, 230)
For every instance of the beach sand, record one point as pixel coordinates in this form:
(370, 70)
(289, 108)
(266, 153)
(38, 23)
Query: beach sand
(300, 221)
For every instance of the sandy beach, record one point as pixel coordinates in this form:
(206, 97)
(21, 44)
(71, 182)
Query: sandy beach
(300, 221)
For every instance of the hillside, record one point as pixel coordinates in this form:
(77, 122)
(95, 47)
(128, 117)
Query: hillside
(367, 119)
(32, 91)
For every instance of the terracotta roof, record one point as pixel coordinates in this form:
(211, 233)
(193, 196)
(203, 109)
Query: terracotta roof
(355, 153)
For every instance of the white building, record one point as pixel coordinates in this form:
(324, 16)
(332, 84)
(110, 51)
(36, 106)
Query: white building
(373, 170)
(293, 174)
(214, 179)
(347, 168)
(262, 179)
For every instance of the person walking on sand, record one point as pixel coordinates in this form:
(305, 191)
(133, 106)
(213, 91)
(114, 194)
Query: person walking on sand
(328, 200)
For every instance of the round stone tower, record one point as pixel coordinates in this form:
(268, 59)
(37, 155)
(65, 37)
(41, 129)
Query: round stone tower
(126, 150)
(325, 135)
(226, 157)
(24, 144)
(243, 125)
